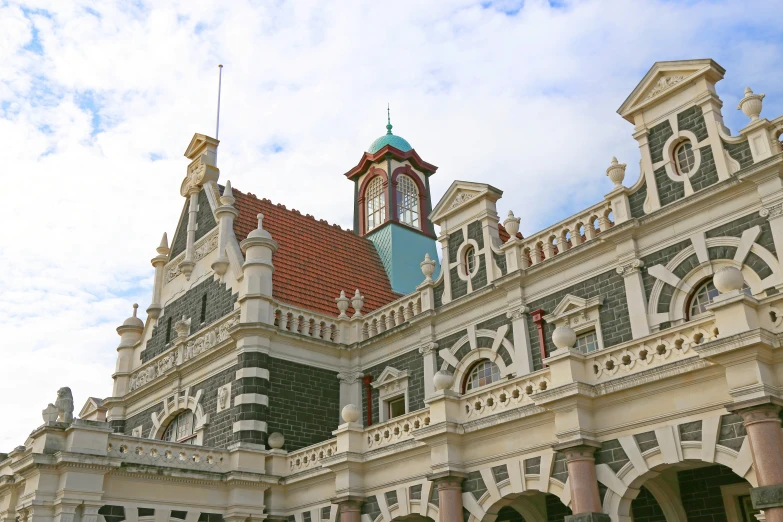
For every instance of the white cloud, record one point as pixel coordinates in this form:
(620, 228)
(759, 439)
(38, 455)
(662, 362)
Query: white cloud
(99, 99)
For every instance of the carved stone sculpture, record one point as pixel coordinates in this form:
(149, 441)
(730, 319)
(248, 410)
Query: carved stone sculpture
(64, 405)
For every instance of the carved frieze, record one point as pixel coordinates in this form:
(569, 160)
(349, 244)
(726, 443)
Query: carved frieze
(183, 353)
(201, 249)
(664, 84)
(461, 198)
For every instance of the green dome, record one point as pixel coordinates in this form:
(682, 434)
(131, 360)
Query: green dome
(397, 142)
(389, 139)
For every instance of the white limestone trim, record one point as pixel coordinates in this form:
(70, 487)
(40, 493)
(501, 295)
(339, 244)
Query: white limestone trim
(683, 287)
(251, 398)
(175, 404)
(461, 367)
(405, 505)
(262, 373)
(249, 425)
(669, 147)
(391, 384)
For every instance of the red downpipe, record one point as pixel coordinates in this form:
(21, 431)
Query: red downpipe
(366, 380)
(538, 318)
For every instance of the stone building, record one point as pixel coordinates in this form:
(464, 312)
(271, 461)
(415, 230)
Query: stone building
(622, 364)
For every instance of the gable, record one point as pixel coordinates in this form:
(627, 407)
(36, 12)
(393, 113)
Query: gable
(460, 194)
(205, 220)
(666, 78)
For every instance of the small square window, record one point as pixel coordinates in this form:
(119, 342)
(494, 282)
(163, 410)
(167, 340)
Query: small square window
(396, 407)
(587, 342)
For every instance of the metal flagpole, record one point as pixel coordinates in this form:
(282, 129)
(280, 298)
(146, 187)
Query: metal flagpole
(220, 84)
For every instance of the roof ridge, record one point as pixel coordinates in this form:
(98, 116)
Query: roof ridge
(298, 213)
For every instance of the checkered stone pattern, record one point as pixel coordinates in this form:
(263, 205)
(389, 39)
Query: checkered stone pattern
(253, 373)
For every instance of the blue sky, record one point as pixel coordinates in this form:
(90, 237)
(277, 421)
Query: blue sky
(98, 101)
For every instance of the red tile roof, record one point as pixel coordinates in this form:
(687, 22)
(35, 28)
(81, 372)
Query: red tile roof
(315, 260)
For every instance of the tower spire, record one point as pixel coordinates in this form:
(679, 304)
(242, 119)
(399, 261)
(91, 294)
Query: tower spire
(388, 120)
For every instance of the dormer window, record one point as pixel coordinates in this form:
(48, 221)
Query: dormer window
(376, 204)
(407, 201)
(684, 158)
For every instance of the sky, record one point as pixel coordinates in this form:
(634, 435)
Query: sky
(99, 99)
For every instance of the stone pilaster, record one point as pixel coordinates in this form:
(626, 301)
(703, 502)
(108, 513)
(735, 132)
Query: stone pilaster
(428, 350)
(524, 355)
(350, 388)
(634, 292)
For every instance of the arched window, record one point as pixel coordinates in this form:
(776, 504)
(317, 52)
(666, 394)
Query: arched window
(180, 429)
(483, 373)
(407, 201)
(376, 204)
(703, 295)
(470, 260)
(684, 157)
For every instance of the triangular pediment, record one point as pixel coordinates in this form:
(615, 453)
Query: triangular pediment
(460, 194)
(390, 375)
(198, 143)
(664, 79)
(90, 407)
(570, 305)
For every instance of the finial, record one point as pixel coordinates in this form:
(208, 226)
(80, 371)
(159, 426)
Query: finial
(163, 248)
(388, 120)
(228, 195)
(614, 160)
(260, 221)
(135, 308)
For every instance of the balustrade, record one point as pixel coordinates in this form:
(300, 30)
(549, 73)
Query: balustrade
(311, 456)
(391, 315)
(167, 454)
(304, 322)
(396, 430)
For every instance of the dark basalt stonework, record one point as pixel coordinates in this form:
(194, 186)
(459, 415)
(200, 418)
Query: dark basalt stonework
(411, 361)
(220, 302)
(204, 218)
(738, 226)
(669, 191)
(700, 492)
(732, 431)
(636, 201)
(304, 403)
(708, 173)
(474, 484)
(645, 508)
(693, 120)
(613, 313)
(612, 454)
(248, 385)
(740, 152)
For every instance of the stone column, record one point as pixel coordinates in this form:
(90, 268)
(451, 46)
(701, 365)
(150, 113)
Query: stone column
(634, 291)
(585, 500)
(428, 351)
(524, 354)
(350, 509)
(449, 486)
(187, 264)
(762, 422)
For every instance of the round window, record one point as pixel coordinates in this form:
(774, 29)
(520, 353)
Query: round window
(483, 372)
(685, 157)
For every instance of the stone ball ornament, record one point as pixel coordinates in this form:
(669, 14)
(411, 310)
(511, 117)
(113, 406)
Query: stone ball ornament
(442, 380)
(351, 413)
(276, 440)
(564, 337)
(727, 279)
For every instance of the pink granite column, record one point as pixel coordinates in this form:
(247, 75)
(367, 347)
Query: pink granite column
(350, 511)
(762, 423)
(450, 498)
(582, 479)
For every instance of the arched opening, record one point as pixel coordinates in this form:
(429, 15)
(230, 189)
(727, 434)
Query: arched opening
(482, 373)
(704, 293)
(407, 201)
(694, 491)
(530, 507)
(181, 429)
(375, 202)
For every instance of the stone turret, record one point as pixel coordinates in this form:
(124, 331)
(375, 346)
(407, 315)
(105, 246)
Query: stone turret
(130, 333)
(255, 296)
